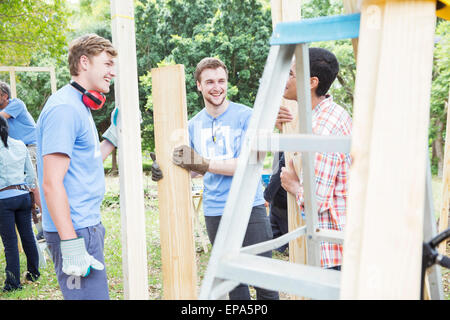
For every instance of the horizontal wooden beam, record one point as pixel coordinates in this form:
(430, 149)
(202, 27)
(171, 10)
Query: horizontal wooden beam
(26, 69)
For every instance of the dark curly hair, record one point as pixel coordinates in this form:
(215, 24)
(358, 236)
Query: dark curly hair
(323, 65)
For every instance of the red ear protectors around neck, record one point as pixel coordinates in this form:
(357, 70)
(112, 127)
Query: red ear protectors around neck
(92, 99)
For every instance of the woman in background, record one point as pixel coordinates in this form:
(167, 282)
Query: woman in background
(17, 177)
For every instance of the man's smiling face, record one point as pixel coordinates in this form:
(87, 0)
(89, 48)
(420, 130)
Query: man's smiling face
(213, 86)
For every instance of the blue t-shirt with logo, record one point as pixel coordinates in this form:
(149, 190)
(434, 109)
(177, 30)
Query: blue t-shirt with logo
(21, 123)
(66, 126)
(220, 139)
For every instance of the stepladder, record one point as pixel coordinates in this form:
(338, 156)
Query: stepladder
(230, 263)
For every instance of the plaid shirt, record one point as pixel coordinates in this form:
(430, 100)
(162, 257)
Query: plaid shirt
(331, 170)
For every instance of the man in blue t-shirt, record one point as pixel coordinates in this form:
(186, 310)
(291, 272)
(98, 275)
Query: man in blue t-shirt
(70, 172)
(216, 135)
(20, 122)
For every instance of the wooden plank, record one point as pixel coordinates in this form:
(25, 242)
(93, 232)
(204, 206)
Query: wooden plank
(174, 190)
(134, 251)
(12, 83)
(445, 207)
(371, 29)
(283, 11)
(53, 79)
(392, 231)
(351, 6)
(25, 69)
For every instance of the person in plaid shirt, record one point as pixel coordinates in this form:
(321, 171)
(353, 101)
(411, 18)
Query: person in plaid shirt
(331, 169)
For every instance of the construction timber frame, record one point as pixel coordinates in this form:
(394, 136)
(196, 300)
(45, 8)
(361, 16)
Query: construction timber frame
(12, 76)
(384, 231)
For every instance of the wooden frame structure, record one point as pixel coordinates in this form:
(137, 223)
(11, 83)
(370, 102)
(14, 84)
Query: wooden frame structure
(12, 76)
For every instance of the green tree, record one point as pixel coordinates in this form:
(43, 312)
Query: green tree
(235, 31)
(28, 26)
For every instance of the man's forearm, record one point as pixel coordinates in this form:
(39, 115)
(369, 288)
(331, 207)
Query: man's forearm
(106, 148)
(223, 167)
(58, 206)
(5, 115)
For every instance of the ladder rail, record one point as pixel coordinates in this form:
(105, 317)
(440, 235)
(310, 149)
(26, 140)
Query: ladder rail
(238, 206)
(274, 243)
(308, 165)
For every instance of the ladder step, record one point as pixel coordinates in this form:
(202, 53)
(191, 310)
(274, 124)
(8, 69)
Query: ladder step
(301, 142)
(274, 243)
(329, 235)
(317, 29)
(301, 280)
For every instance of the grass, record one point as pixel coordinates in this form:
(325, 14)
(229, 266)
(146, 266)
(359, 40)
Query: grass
(46, 288)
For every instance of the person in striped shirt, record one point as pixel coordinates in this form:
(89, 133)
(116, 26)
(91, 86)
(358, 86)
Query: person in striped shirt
(331, 169)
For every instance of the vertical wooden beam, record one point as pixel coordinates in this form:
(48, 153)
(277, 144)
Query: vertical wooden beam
(53, 79)
(285, 10)
(12, 82)
(174, 190)
(445, 207)
(351, 6)
(390, 255)
(371, 28)
(130, 156)
(282, 11)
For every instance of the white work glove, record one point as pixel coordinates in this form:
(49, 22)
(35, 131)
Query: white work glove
(76, 260)
(111, 133)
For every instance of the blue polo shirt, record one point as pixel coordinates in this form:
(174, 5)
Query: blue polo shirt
(220, 138)
(21, 123)
(66, 126)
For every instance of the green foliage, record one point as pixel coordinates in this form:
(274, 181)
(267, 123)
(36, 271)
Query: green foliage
(319, 8)
(237, 32)
(342, 88)
(29, 26)
(440, 91)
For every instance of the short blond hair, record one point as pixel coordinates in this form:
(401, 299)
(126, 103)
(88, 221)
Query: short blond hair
(208, 63)
(88, 45)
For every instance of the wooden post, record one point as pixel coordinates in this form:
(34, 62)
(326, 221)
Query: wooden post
(282, 11)
(134, 251)
(351, 6)
(53, 79)
(174, 190)
(285, 10)
(364, 103)
(389, 215)
(12, 82)
(443, 220)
